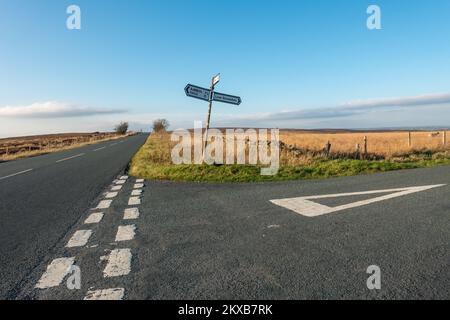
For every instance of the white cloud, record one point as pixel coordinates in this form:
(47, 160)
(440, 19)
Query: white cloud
(353, 108)
(53, 109)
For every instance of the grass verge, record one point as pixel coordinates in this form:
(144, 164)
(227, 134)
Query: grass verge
(152, 162)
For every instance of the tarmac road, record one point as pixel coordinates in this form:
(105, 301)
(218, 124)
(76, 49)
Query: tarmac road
(43, 197)
(229, 241)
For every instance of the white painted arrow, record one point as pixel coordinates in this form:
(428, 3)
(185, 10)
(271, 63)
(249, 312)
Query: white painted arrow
(308, 208)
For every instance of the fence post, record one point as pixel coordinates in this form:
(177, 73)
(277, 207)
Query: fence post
(444, 138)
(365, 147)
(409, 139)
(328, 149)
(358, 151)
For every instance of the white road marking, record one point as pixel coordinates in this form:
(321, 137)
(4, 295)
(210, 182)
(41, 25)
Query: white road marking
(134, 201)
(119, 263)
(79, 239)
(116, 188)
(123, 177)
(136, 193)
(138, 186)
(104, 204)
(120, 182)
(16, 174)
(131, 214)
(111, 195)
(308, 208)
(94, 218)
(113, 144)
(139, 180)
(69, 158)
(99, 149)
(106, 294)
(56, 272)
(125, 233)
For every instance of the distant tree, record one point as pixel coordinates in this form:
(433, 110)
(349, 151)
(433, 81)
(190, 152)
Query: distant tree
(121, 128)
(160, 125)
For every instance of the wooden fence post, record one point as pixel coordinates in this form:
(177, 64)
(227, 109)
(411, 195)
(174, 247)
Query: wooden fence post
(365, 148)
(358, 151)
(444, 138)
(328, 149)
(409, 139)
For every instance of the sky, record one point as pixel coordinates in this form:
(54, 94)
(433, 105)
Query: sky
(295, 64)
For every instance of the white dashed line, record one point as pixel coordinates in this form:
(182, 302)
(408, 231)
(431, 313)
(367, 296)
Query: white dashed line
(113, 144)
(119, 263)
(131, 214)
(16, 174)
(56, 271)
(120, 182)
(134, 201)
(99, 149)
(123, 177)
(104, 204)
(107, 294)
(126, 233)
(111, 195)
(136, 193)
(79, 239)
(138, 186)
(69, 158)
(94, 218)
(116, 188)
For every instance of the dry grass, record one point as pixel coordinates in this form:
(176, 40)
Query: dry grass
(301, 157)
(303, 147)
(386, 144)
(15, 148)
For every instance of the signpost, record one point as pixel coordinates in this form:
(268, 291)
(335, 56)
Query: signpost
(210, 96)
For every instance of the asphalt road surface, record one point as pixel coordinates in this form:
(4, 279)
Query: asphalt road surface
(135, 239)
(43, 197)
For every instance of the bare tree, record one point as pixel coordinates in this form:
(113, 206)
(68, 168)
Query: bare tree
(121, 128)
(160, 125)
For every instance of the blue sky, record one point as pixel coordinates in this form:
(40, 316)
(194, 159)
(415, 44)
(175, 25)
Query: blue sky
(299, 64)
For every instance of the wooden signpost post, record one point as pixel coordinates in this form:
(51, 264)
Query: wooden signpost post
(210, 95)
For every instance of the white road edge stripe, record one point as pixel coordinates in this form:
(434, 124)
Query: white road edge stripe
(111, 195)
(134, 201)
(119, 263)
(136, 193)
(125, 233)
(104, 204)
(69, 158)
(106, 294)
(94, 218)
(55, 273)
(16, 174)
(95, 150)
(131, 214)
(79, 238)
